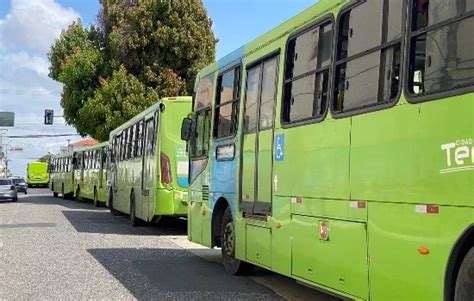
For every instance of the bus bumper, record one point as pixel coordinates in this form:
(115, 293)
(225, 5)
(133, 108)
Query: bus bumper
(171, 202)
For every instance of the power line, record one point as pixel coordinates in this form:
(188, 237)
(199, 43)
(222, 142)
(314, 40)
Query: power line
(42, 125)
(39, 136)
(21, 92)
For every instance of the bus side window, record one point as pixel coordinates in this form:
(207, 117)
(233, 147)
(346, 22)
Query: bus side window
(368, 55)
(227, 103)
(150, 133)
(442, 57)
(307, 74)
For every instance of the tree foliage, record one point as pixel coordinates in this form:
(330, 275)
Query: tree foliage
(46, 158)
(77, 62)
(140, 51)
(119, 99)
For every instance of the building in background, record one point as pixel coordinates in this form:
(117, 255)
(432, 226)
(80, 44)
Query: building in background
(78, 145)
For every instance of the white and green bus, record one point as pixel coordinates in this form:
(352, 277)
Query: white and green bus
(149, 164)
(90, 174)
(338, 149)
(62, 175)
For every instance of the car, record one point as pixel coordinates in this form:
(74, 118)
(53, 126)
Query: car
(20, 184)
(8, 190)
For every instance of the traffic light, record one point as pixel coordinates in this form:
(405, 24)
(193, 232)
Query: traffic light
(48, 117)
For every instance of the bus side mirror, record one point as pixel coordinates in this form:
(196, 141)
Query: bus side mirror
(186, 129)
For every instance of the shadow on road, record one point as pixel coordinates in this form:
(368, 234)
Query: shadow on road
(101, 221)
(158, 274)
(32, 199)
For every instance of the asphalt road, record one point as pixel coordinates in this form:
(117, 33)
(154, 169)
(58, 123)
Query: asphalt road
(60, 249)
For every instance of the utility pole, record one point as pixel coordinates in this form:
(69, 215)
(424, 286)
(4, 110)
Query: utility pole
(3, 153)
(2, 133)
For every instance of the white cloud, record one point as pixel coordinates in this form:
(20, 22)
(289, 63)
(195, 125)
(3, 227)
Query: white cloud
(34, 24)
(23, 60)
(26, 34)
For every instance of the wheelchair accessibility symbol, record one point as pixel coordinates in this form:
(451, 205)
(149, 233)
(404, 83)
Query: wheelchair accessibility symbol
(280, 148)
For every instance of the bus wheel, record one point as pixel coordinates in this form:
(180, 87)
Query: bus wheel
(111, 204)
(231, 264)
(465, 282)
(78, 194)
(134, 220)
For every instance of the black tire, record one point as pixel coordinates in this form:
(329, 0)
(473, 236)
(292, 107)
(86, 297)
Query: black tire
(78, 195)
(464, 290)
(111, 204)
(134, 220)
(26, 191)
(55, 194)
(232, 265)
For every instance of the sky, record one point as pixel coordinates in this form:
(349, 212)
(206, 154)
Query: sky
(29, 27)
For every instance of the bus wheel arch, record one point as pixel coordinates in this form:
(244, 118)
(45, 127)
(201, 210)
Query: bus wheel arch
(461, 249)
(231, 263)
(216, 224)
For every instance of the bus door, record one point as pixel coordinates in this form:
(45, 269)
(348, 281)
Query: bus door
(257, 143)
(149, 165)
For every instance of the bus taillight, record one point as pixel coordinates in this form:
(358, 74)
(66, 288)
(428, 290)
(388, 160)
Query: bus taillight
(165, 169)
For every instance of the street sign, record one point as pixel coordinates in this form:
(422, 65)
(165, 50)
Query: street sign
(7, 119)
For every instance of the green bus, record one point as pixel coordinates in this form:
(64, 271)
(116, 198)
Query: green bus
(61, 168)
(149, 165)
(90, 174)
(37, 174)
(338, 149)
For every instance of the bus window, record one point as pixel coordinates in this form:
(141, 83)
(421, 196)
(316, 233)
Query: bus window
(307, 74)
(268, 93)
(203, 93)
(150, 136)
(441, 56)
(199, 142)
(140, 138)
(227, 102)
(251, 99)
(368, 56)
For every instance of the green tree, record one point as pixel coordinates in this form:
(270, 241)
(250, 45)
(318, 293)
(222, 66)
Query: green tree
(117, 100)
(78, 63)
(46, 158)
(140, 50)
(160, 41)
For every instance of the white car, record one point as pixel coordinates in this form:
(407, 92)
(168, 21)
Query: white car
(8, 190)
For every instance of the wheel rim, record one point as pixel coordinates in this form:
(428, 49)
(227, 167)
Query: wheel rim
(229, 239)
